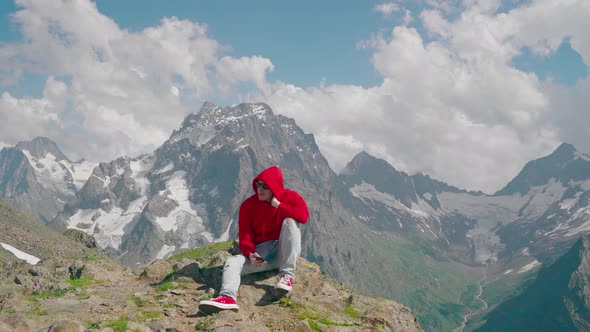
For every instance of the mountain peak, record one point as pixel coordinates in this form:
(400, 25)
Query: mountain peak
(564, 164)
(211, 119)
(39, 147)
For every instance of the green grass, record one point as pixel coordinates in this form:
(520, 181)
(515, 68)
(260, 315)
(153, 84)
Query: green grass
(167, 286)
(93, 325)
(150, 314)
(201, 253)
(119, 325)
(138, 301)
(498, 291)
(326, 321)
(47, 294)
(351, 311)
(287, 303)
(309, 314)
(436, 291)
(79, 283)
(314, 325)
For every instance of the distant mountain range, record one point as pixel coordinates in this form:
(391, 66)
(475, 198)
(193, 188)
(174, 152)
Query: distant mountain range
(430, 243)
(558, 300)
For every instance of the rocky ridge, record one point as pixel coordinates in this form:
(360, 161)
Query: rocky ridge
(76, 287)
(163, 297)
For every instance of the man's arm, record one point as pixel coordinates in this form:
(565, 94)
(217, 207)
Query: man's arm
(245, 230)
(293, 206)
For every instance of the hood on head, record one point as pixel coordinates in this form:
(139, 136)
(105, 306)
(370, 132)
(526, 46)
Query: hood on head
(273, 178)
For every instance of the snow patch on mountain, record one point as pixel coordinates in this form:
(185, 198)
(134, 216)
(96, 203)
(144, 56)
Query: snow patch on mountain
(366, 191)
(529, 266)
(178, 191)
(50, 172)
(139, 169)
(21, 254)
(80, 171)
(165, 252)
(580, 155)
(168, 167)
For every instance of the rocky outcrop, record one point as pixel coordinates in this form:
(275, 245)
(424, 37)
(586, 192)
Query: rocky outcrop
(164, 297)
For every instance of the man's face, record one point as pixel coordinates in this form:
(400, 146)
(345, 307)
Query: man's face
(264, 193)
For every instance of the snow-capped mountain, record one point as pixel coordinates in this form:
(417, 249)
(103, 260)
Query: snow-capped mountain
(539, 214)
(38, 178)
(189, 191)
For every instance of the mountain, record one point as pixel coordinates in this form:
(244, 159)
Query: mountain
(427, 244)
(504, 237)
(188, 192)
(76, 288)
(558, 300)
(564, 165)
(37, 178)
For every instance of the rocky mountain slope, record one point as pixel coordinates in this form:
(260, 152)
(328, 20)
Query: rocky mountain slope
(37, 178)
(426, 243)
(188, 192)
(79, 289)
(558, 300)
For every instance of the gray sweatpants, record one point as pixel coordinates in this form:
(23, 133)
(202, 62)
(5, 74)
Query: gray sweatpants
(280, 254)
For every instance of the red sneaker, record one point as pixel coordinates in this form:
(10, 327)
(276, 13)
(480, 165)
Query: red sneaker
(217, 304)
(285, 283)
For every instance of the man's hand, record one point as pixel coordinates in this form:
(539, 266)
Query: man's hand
(275, 202)
(256, 259)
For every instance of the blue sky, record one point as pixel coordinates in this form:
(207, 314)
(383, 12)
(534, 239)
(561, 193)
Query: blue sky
(423, 77)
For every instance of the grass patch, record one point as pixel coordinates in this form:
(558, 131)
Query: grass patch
(93, 326)
(314, 325)
(326, 321)
(287, 303)
(78, 283)
(83, 297)
(351, 311)
(53, 293)
(36, 311)
(150, 314)
(138, 301)
(167, 286)
(201, 253)
(309, 314)
(119, 325)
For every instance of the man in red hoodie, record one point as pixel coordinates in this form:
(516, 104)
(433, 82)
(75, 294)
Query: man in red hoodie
(269, 235)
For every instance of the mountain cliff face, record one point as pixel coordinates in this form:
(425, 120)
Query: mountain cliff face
(38, 178)
(558, 300)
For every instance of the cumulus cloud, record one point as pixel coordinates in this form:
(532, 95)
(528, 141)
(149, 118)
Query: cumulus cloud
(451, 104)
(386, 8)
(114, 78)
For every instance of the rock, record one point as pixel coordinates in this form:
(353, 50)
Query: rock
(302, 326)
(87, 240)
(157, 271)
(66, 326)
(76, 269)
(134, 326)
(5, 327)
(166, 325)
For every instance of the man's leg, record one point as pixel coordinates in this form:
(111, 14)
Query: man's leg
(232, 270)
(238, 265)
(289, 247)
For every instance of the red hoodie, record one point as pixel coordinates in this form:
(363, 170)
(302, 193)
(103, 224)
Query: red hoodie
(259, 221)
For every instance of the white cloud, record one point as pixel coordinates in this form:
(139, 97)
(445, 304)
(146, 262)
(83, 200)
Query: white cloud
(115, 77)
(451, 104)
(386, 8)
